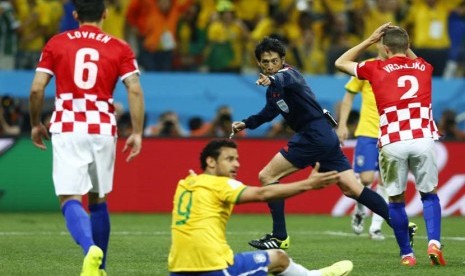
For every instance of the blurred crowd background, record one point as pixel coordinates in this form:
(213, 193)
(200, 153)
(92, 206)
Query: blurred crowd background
(220, 35)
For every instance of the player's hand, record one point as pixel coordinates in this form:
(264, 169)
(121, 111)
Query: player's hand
(263, 80)
(134, 142)
(378, 33)
(38, 133)
(237, 127)
(319, 180)
(342, 133)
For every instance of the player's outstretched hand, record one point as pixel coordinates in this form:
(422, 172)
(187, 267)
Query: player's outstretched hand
(320, 180)
(135, 143)
(38, 133)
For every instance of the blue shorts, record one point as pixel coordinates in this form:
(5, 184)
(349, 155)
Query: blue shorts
(252, 263)
(303, 151)
(366, 154)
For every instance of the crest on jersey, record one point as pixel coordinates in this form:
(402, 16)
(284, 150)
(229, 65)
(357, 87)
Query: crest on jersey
(283, 106)
(259, 258)
(360, 160)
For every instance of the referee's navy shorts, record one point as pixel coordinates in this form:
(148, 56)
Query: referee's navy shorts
(305, 149)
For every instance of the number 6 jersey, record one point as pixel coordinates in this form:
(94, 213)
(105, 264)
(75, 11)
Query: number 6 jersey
(402, 89)
(87, 64)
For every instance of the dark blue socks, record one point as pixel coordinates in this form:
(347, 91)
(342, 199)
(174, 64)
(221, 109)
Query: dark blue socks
(399, 223)
(78, 223)
(100, 221)
(375, 203)
(279, 221)
(432, 216)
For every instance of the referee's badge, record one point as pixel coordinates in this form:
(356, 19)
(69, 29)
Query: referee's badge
(283, 106)
(360, 159)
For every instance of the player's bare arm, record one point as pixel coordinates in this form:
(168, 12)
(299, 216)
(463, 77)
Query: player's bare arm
(36, 102)
(346, 62)
(315, 181)
(137, 110)
(342, 131)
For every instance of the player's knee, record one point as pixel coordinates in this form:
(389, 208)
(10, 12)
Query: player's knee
(264, 178)
(397, 198)
(279, 260)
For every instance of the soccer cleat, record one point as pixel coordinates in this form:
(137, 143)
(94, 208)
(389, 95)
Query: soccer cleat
(412, 230)
(377, 235)
(435, 255)
(338, 269)
(270, 242)
(408, 261)
(357, 222)
(92, 262)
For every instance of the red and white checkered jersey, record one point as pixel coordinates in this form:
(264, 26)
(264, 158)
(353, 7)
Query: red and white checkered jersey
(402, 88)
(87, 64)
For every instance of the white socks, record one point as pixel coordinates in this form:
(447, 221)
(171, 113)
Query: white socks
(298, 270)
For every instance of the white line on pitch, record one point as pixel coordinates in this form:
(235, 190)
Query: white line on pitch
(234, 233)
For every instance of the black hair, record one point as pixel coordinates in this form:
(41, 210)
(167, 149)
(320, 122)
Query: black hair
(213, 149)
(269, 44)
(89, 10)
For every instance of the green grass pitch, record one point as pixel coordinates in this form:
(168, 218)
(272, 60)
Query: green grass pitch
(38, 244)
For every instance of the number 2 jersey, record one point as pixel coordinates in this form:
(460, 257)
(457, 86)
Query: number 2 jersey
(402, 89)
(87, 64)
(202, 206)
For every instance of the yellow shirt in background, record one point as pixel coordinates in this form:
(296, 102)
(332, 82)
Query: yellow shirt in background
(368, 124)
(202, 206)
(35, 21)
(115, 21)
(218, 32)
(429, 24)
(251, 9)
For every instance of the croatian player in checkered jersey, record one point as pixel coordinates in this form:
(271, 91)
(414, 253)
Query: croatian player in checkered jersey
(402, 87)
(86, 64)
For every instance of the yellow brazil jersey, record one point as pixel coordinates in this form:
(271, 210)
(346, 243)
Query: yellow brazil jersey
(368, 124)
(219, 32)
(202, 206)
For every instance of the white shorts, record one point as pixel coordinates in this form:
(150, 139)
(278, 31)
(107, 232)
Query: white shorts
(416, 156)
(83, 163)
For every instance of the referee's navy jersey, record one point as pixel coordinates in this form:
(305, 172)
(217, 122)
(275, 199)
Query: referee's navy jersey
(315, 139)
(290, 96)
